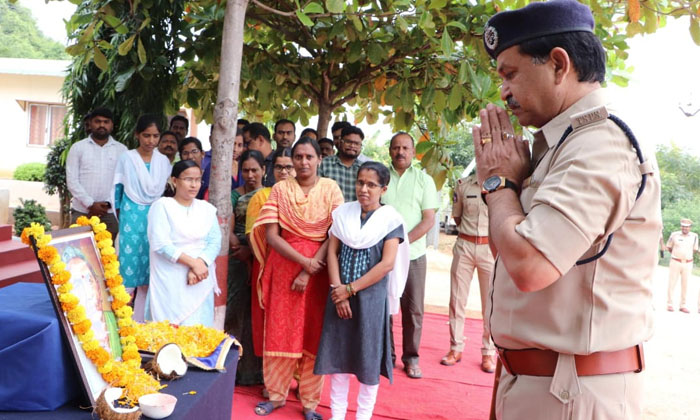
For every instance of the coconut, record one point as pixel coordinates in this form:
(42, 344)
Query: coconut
(107, 409)
(168, 363)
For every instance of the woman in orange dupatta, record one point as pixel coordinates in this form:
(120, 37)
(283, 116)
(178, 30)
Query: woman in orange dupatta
(296, 219)
(283, 169)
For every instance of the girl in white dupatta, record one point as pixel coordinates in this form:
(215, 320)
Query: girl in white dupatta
(368, 259)
(139, 180)
(185, 239)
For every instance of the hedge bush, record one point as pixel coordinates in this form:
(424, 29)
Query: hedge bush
(30, 172)
(30, 211)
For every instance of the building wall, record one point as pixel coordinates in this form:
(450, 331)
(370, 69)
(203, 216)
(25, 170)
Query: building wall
(15, 120)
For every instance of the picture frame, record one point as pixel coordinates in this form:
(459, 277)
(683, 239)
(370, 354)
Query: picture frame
(78, 250)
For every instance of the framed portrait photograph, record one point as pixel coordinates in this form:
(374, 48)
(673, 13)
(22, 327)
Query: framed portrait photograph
(78, 250)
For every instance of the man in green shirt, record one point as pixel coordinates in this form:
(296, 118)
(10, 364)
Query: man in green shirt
(412, 192)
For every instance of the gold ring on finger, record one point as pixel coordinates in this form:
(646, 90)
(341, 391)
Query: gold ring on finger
(485, 139)
(507, 136)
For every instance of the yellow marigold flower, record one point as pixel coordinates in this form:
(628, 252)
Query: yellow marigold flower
(57, 267)
(87, 337)
(76, 315)
(56, 258)
(91, 345)
(102, 236)
(82, 221)
(124, 312)
(104, 243)
(109, 250)
(124, 322)
(43, 241)
(67, 297)
(74, 225)
(94, 221)
(100, 227)
(107, 367)
(65, 288)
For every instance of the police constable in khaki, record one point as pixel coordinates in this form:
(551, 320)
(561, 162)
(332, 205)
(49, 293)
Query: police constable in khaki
(570, 302)
(682, 245)
(471, 251)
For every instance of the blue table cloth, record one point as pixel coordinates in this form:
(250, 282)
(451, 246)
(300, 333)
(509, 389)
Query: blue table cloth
(37, 371)
(33, 330)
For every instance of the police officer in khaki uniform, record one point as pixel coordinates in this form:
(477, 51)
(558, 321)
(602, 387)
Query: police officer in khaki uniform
(570, 302)
(682, 245)
(471, 251)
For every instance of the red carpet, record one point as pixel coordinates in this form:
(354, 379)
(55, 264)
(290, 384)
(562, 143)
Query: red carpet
(460, 392)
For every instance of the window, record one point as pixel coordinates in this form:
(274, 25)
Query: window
(45, 123)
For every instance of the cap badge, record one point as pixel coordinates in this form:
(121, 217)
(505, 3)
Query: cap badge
(491, 37)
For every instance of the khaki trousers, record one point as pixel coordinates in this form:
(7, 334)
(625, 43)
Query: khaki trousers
(467, 256)
(602, 397)
(678, 269)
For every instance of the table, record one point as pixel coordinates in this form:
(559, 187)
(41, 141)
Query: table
(212, 401)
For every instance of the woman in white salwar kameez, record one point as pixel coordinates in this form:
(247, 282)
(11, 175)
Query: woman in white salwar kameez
(184, 238)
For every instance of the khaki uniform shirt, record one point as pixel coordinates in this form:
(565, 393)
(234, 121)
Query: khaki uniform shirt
(470, 208)
(576, 197)
(682, 246)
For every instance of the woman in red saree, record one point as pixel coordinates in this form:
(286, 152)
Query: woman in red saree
(295, 219)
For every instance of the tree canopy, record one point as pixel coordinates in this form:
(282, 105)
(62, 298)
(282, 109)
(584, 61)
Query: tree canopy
(406, 63)
(20, 37)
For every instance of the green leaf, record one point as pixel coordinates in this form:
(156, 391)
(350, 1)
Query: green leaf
(423, 146)
(337, 30)
(376, 53)
(355, 52)
(427, 97)
(440, 100)
(304, 19)
(463, 73)
(112, 21)
(407, 101)
(402, 24)
(144, 23)
(122, 79)
(141, 52)
(455, 98)
(76, 49)
(125, 46)
(695, 31)
(458, 24)
(100, 59)
(357, 23)
(633, 29)
(437, 4)
(313, 8)
(335, 6)
(447, 43)
(105, 45)
(650, 20)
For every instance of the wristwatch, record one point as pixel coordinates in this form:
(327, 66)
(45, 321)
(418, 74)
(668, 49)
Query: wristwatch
(495, 183)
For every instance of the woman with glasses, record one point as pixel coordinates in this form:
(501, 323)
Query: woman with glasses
(190, 149)
(237, 321)
(139, 180)
(184, 236)
(295, 219)
(368, 259)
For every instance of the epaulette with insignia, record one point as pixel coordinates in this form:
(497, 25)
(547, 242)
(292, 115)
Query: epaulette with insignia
(588, 117)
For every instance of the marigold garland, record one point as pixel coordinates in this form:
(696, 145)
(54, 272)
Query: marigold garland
(194, 341)
(127, 373)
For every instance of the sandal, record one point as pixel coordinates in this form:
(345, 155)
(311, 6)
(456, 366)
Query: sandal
(312, 415)
(413, 371)
(264, 408)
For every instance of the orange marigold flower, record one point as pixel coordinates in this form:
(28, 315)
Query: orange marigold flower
(82, 327)
(60, 278)
(130, 355)
(47, 254)
(102, 357)
(92, 355)
(82, 221)
(116, 304)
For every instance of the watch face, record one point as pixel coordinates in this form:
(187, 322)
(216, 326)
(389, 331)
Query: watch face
(492, 182)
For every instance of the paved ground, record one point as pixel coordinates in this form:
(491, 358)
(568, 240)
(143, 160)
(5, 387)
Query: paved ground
(672, 355)
(673, 371)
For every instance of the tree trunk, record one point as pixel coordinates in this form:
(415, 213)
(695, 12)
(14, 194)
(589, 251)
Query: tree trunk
(324, 119)
(223, 135)
(64, 208)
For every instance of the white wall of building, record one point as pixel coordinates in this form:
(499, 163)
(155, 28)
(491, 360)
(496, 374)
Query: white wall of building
(15, 89)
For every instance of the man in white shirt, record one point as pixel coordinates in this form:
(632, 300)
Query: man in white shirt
(90, 171)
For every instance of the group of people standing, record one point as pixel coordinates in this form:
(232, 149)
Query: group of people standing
(321, 248)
